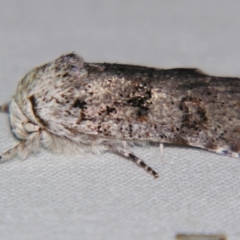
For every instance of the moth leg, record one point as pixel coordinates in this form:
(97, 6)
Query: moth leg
(126, 154)
(125, 144)
(161, 148)
(11, 153)
(23, 149)
(4, 108)
(142, 164)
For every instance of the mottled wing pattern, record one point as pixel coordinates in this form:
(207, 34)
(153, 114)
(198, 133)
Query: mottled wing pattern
(67, 104)
(180, 106)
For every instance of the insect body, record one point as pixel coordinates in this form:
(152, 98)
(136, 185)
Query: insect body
(69, 105)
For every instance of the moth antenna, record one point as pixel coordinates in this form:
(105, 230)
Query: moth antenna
(4, 108)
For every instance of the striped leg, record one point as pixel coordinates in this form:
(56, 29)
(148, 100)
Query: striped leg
(142, 164)
(126, 154)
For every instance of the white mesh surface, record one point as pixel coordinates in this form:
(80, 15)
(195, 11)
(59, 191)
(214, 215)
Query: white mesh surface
(107, 197)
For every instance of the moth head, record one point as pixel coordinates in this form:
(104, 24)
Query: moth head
(21, 125)
(42, 88)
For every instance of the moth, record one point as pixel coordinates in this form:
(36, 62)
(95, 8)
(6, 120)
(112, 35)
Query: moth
(69, 105)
